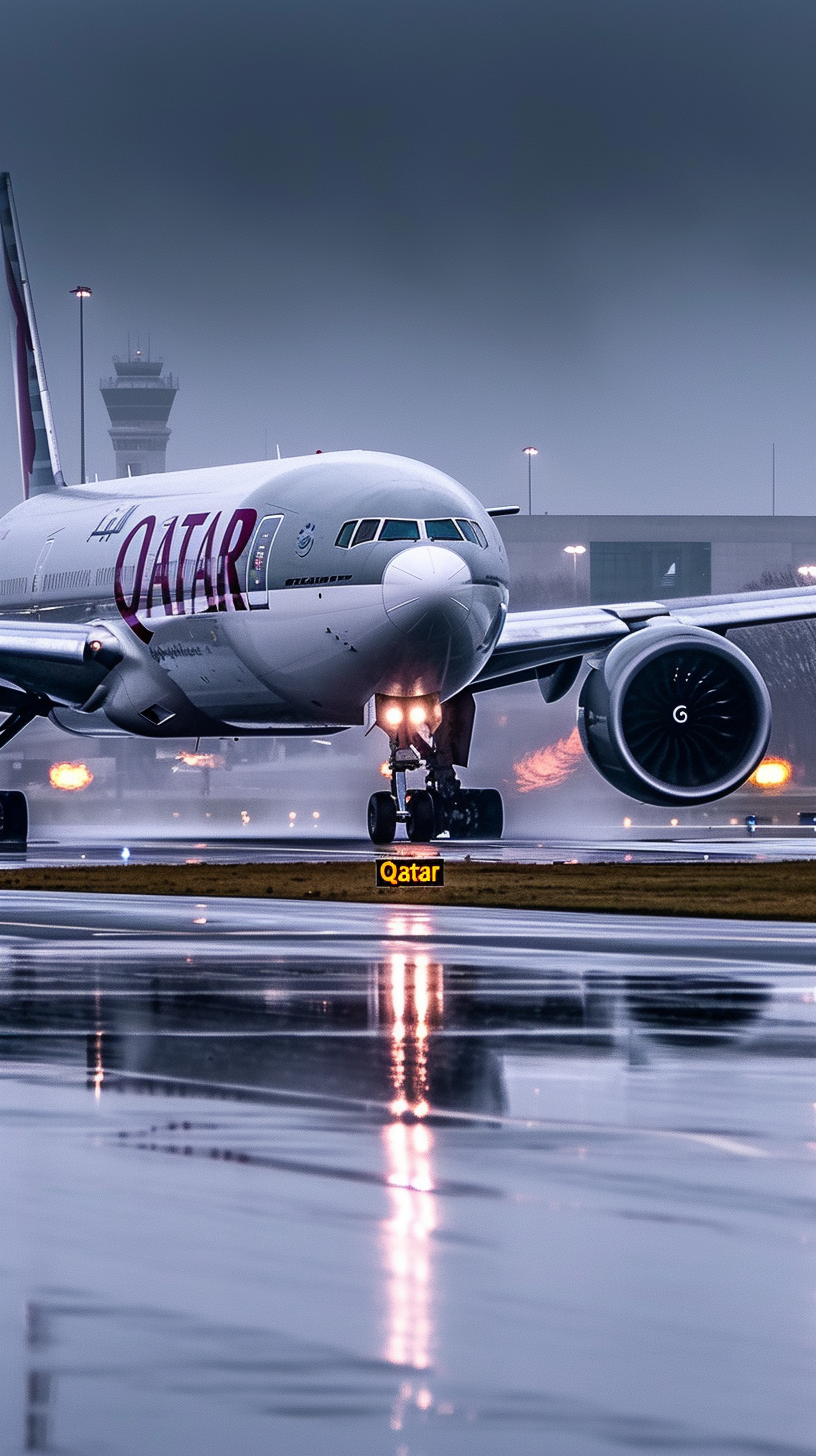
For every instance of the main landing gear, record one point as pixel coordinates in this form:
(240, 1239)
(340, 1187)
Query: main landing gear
(422, 736)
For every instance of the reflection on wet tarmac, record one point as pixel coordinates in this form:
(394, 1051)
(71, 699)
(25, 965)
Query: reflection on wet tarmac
(435, 1182)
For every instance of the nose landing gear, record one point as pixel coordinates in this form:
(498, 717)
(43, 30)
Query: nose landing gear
(443, 807)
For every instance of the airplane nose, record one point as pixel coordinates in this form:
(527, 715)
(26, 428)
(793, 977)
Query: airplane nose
(427, 588)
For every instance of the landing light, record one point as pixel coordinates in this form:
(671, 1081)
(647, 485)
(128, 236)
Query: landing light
(393, 717)
(416, 716)
(807, 571)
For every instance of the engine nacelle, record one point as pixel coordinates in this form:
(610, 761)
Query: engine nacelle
(675, 715)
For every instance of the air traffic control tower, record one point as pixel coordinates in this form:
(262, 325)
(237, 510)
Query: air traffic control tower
(139, 399)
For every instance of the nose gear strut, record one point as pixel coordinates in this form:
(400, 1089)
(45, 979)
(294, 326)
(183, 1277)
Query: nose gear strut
(443, 807)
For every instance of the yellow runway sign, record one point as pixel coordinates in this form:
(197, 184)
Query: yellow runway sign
(403, 872)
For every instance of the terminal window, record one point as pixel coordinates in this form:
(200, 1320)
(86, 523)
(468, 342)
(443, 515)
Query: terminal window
(627, 571)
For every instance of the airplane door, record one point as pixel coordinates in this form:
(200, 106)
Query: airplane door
(39, 569)
(258, 560)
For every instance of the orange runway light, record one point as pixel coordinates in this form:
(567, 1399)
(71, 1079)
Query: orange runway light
(201, 760)
(70, 776)
(548, 767)
(772, 773)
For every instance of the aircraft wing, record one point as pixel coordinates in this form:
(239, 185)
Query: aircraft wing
(57, 662)
(532, 644)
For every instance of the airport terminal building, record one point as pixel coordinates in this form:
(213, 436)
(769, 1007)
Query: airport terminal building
(560, 560)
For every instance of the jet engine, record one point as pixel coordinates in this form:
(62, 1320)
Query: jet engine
(675, 715)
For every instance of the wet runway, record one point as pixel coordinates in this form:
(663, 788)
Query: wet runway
(733, 844)
(307, 1179)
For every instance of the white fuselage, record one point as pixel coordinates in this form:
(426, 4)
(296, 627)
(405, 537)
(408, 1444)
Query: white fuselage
(235, 606)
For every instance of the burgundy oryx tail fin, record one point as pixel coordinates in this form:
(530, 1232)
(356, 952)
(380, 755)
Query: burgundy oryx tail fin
(39, 456)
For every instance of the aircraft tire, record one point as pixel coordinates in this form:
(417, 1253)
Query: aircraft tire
(421, 824)
(477, 814)
(382, 818)
(13, 819)
(489, 813)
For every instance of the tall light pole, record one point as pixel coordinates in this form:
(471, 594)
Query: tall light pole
(81, 293)
(530, 451)
(575, 552)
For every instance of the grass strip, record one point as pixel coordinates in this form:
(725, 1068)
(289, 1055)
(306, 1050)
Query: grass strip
(783, 890)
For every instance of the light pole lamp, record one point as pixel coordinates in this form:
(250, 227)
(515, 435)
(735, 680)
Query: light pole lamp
(575, 552)
(81, 293)
(530, 451)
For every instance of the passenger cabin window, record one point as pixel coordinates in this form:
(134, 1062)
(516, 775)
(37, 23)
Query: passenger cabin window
(366, 531)
(258, 559)
(444, 530)
(400, 531)
(345, 534)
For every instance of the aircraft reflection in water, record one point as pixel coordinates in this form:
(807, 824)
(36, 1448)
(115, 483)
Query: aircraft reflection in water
(401, 1038)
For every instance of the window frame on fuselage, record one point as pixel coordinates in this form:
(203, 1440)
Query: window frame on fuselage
(443, 521)
(399, 521)
(458, 522)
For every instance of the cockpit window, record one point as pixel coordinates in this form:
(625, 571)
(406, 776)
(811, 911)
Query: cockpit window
(444, 530)
(366, 531)
(345, 534)
(480, 535)
(468, 532)
(400, 531)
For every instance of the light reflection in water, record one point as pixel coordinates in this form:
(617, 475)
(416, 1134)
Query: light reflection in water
(414, 1002)
(96, 1066)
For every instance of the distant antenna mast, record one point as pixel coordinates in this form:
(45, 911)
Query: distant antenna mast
(773, 479)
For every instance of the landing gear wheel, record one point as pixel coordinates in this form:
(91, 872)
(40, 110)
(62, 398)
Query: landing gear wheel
(382, 818)
(421, 824)
(476, 814)
(489, 813)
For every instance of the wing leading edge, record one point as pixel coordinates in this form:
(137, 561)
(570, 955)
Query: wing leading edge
(531, 641)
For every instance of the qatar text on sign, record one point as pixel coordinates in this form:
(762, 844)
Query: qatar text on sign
(407, 873)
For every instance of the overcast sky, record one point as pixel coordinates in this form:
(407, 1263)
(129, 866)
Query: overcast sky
(445, 229)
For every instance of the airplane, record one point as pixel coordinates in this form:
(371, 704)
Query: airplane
(315, 594)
